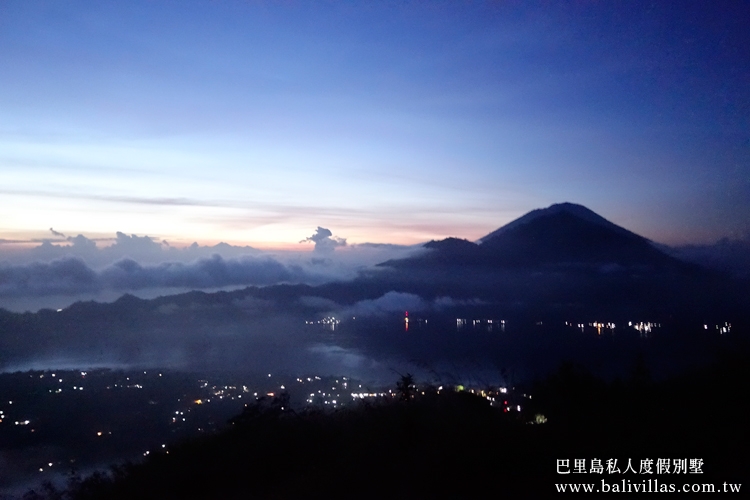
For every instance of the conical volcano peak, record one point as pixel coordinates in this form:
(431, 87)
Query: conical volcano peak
(563, 234)
(572, 209)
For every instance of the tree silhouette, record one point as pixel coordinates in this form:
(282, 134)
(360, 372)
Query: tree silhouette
(405, 387)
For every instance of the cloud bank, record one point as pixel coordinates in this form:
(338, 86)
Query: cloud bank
(144, 249)
(72, 275)
(399, 302)
(57, 272)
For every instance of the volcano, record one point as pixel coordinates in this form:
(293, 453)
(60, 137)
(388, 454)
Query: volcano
(564, 234)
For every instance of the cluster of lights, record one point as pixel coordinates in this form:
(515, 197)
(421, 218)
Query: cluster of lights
(725, 328)
(328, 320)
(641, 326)
(29, 423)
(332, 398)
(490, 324)
(599, 326)
(327, 397)
(576, 325)
(363, 395)
(490, 394)
(644, 327)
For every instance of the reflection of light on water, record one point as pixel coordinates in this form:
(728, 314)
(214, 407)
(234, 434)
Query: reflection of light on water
(599, 326)
(645, 328)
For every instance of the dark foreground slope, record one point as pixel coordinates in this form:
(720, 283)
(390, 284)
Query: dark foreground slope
(454, 445)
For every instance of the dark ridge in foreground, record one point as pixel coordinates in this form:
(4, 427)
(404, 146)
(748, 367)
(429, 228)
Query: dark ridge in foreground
(455, 445)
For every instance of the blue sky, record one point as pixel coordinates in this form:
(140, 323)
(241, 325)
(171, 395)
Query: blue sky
(256, 122)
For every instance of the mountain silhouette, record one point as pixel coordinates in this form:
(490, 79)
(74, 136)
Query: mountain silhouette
(579, 211)
(564, 234)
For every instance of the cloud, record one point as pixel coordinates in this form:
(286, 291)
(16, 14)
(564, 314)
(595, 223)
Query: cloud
(318, 303)
(216, 271)
(324, 240)
(385, 246)
(347, 358)
(116, 199)
(448, 302)
(45, 278)
(134, 244)
(393, 302)
(388, 303)
(101, 252)
(55, 233)
(72, 275)
(79, 247)
(80, 242)
(731, 256)
(150, 267)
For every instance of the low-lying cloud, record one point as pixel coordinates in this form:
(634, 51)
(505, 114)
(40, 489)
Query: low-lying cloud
(394, 301)
(73, 276)
(387, 303)
(144, 249)
(46, 278)
(58, 272)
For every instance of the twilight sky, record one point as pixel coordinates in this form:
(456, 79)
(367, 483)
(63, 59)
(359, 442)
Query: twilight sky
(256, 122)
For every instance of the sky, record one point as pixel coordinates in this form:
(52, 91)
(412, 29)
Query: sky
(254, 123)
